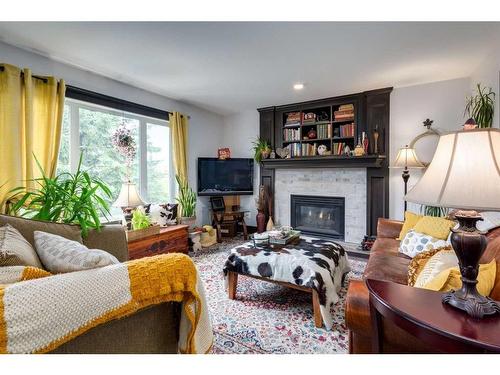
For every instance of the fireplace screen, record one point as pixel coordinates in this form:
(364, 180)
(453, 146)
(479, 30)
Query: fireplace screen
(320, 216)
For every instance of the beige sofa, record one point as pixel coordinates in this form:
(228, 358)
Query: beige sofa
(151, 330)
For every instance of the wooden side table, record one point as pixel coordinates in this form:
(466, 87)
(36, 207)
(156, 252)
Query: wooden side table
(219, 217)
(421, 313)
(173, 239)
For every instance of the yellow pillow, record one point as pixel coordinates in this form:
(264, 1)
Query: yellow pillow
(450, 279)
(411, 220)
(436, 227)
(419, 262)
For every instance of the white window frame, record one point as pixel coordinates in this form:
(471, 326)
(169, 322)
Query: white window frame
(75, 147)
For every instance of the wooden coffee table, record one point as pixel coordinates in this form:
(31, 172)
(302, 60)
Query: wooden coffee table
(421, 313)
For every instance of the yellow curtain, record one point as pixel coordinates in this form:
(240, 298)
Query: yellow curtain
(31, 112)
(179, 128)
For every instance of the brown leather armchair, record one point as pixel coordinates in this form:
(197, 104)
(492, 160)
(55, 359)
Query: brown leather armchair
(386, 263)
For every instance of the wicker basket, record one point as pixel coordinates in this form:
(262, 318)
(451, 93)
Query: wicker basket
(133, 235)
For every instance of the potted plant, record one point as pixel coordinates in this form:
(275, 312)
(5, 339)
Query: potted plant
(71, 198)
(187, 202)
(261, 150)
(481, 107)
(142, 225)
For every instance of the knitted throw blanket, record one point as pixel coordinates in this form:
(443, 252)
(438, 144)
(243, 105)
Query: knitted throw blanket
(40, 311)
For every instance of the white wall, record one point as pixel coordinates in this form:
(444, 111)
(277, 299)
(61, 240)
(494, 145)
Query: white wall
(205, 128)
(240, 130)
(443, 102)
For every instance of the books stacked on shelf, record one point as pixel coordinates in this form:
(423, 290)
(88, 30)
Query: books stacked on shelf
(338, 148)
(345, 113)
(324, 131)
(309, 149)
(291, 135)
(294, 149)
(347, 130)
(293, 119)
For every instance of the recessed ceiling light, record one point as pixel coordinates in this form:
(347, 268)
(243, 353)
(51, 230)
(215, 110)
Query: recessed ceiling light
(298, 86)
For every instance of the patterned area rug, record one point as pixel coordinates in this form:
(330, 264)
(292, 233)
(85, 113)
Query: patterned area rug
(265, 317)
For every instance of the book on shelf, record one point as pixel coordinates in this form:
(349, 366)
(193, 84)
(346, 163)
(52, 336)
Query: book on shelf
(291, 135)
(309, 149)
(346, 107)
(293, 118)
(347, 130)
(324, 131)
(294, 149)
(338, 148)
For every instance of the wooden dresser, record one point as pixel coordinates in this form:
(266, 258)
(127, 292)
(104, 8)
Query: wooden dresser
(172, 239)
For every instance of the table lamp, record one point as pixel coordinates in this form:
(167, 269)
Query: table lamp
(128, 199)
(407, 158)
(465, 174)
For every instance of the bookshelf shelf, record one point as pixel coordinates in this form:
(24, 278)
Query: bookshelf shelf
(317, 140)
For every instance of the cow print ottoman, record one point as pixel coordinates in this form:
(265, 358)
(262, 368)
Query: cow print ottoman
(313, 265)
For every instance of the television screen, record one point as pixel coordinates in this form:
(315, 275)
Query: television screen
(225, 177)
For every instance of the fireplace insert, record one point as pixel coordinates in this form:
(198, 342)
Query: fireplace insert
(318, 216)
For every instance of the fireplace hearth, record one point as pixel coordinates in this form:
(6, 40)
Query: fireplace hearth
(318, 216)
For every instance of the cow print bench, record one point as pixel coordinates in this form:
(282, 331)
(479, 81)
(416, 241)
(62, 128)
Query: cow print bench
(311, 265)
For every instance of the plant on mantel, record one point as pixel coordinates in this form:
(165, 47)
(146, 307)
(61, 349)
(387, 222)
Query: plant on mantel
(261, 149)
(481, 107)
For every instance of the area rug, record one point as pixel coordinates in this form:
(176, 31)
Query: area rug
(265, 317)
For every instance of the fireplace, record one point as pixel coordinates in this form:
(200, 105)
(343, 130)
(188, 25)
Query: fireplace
(318, 216)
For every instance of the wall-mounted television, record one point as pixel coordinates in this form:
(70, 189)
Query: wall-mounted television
(225, 177)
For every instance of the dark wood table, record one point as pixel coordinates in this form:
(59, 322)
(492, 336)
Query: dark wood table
(220, 217)
(421, 313)
(172, 239)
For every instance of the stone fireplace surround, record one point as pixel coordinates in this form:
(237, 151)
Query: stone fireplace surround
(349, 183)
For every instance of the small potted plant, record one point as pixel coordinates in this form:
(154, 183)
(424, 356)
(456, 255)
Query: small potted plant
(187, 202)
(141, 225)
(481, 107)
(261, 149)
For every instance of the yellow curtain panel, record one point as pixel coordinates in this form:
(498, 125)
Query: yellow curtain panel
(31, 112)
(179, 128)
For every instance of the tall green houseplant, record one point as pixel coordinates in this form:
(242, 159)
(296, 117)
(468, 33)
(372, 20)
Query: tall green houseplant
(481, 106)
(186, 198)
(71, 198)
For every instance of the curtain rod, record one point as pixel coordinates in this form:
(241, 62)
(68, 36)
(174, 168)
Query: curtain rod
(76, 92)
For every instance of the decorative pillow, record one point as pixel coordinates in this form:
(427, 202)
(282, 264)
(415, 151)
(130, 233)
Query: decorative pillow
(418, 263)
(450, 279)
(411, 220)
(439, 262)
(15, 250)
(59, 254)
(436, 227)
(415, 243)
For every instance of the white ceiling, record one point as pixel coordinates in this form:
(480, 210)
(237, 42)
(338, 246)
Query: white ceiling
(229, 67)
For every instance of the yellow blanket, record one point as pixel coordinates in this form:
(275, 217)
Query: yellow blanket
(80, 301)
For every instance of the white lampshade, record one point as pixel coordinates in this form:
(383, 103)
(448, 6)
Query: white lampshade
(407, 158)
(129, 196)
(464, 172)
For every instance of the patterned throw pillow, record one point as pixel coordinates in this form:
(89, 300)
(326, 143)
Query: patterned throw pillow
(60, 255)
(415, 243)
(436, 227)
(442, 260)
(15, 250)
(418, 263)
(411, 220)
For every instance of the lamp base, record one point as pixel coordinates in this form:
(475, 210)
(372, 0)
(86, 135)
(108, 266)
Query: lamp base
(469, 244)
(476, 305)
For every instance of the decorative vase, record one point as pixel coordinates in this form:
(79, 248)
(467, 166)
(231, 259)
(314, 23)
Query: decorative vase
(365, 143)
(261, 222)
(270, 224)
(311, 134)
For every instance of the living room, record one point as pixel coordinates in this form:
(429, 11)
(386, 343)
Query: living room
(211, 187)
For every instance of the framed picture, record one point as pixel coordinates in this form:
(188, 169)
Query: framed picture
(217, 203)
(223, 153)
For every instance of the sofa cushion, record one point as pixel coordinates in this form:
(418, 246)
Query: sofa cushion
(59, 254)
(387, 267)
(415, 243)
(15, 250)
(411, 220)
(436, 227)
(27, 227)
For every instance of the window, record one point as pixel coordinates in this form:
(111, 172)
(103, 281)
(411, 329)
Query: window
(88, 128)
